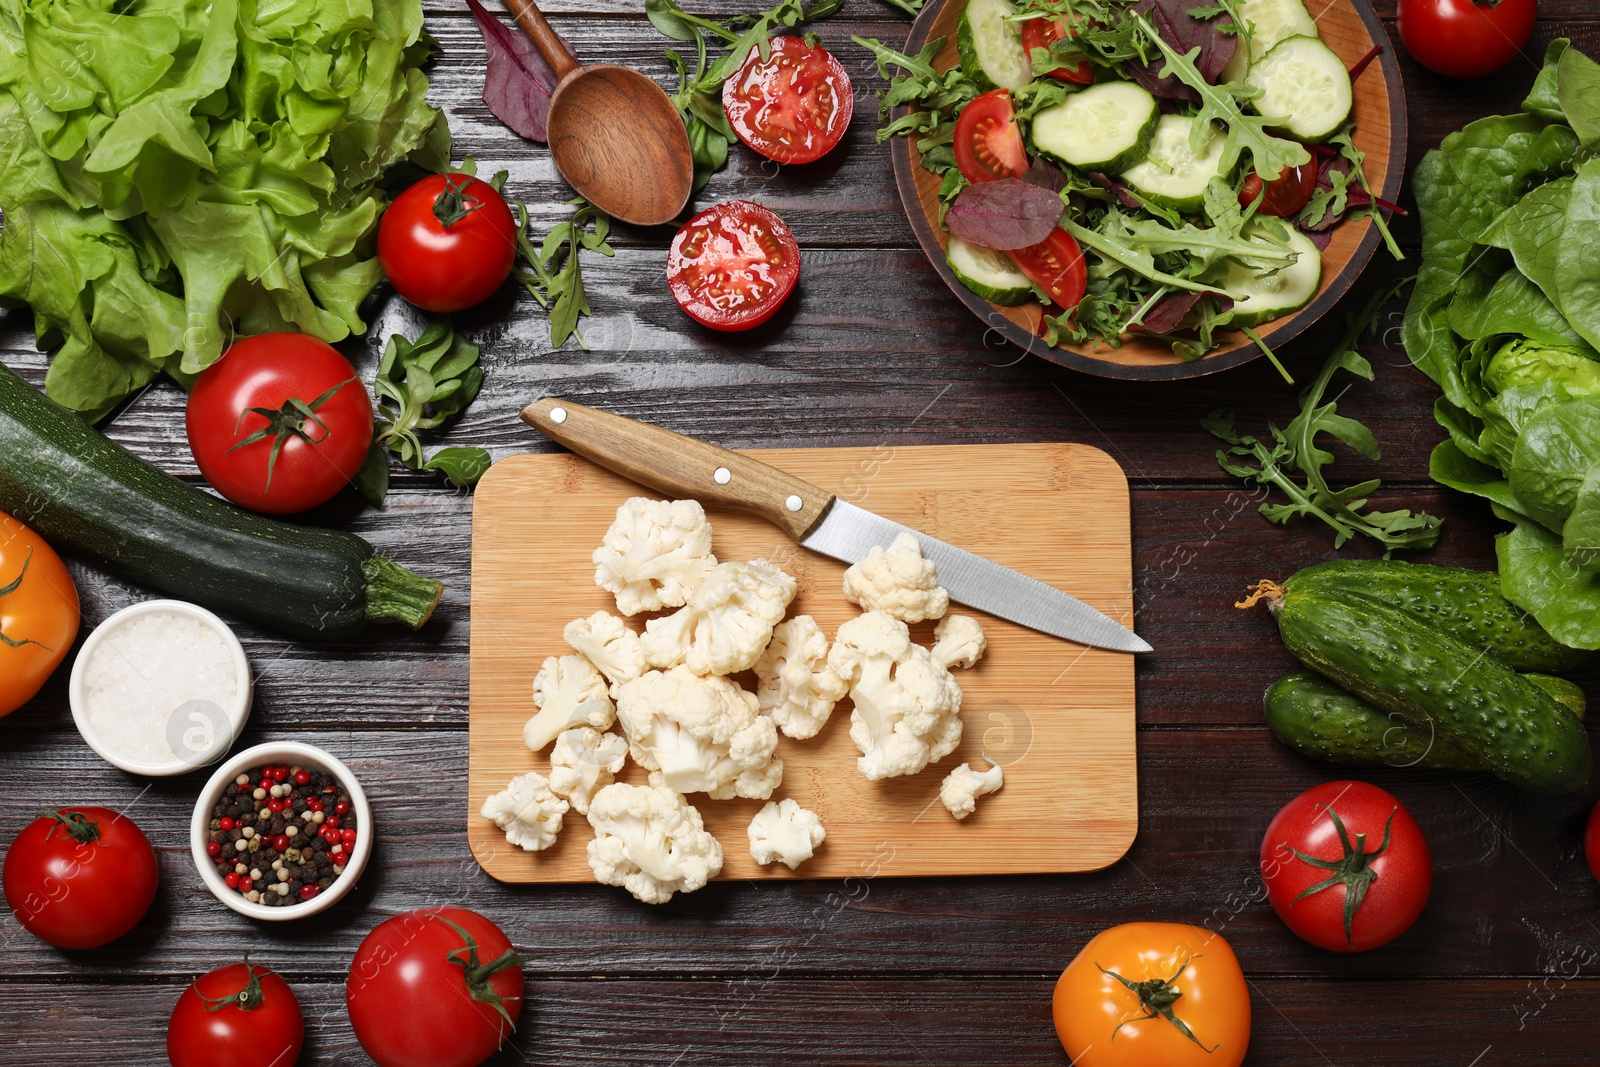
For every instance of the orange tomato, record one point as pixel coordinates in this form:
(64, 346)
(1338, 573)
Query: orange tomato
(1147, 994)
(38, 613)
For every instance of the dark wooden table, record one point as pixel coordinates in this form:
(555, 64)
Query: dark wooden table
(1500, 969)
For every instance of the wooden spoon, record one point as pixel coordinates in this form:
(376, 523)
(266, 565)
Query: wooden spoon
(614, 134)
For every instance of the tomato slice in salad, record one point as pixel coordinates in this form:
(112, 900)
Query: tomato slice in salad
(793, 106)
(987, 142)
(1055, 265)
(1042, 33)
(1287, 194)
(732, 266)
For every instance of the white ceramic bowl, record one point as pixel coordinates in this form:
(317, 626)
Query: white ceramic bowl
(289, 752)
(222, 734)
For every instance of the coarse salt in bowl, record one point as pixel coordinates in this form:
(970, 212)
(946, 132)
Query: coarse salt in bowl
(161, 688)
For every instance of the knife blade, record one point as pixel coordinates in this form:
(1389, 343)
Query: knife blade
(686, 467)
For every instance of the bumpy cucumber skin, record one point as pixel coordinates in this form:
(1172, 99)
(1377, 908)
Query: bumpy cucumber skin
(1568, 694)
(1469, 698)
(1465, 603)
(1319, 719)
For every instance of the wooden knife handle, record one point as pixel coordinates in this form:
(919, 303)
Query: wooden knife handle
(680, 466)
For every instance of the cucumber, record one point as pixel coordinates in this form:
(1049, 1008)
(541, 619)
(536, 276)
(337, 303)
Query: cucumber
(63, 477)
(1106, 127)
(1568, 694)
(1464, 696)
(1173, 174)
(1465, 603)
(991, 46)
(990, 274)
(1319, 719)
(1266, 297)
(1270, 21)
(1305, 88)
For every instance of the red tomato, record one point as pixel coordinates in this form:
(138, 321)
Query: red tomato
(1042, 33)
(1591, 842)
(1287, 194)
(237, 1014)
(988, 144)
(1055, 265)
(448, 242)
(81, 877)
(1346, 866)
(440, 987)
(1464, 38)
(255, 446)
(732, 266)
(794, 105)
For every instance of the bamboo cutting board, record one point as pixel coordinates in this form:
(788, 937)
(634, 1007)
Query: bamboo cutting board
(1058, 716)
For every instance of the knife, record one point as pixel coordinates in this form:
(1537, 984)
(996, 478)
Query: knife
(685, 467)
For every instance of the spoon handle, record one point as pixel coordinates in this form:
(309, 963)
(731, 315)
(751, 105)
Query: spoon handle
(551, 47)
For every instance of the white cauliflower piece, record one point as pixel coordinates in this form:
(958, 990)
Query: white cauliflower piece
(907, 706)
(797, 690)
(527, 811)
(963, 786)
(785, 831)
(610, 646)
(898, 582)
(583, 761)
(700, 735)
(568, 692)
(959, 641)
(651, 842)
(726, 623)
(654, 554)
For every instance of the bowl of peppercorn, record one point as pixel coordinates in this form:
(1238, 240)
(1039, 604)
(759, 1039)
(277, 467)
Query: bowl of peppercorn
(281, 831)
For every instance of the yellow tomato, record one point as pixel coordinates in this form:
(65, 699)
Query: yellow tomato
(1154, 995)
(38, 613)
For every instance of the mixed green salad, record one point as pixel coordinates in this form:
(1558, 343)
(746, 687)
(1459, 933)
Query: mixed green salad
(1170, 167)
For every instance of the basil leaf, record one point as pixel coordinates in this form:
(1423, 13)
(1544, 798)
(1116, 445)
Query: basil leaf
(462, 466)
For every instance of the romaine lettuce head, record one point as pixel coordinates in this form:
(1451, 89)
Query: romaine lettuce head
(1524, 362)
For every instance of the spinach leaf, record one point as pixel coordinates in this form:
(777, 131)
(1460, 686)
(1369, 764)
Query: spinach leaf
(1580, 537)
(1578, 90)
(1536, 576)
(1513, 305)
(1450, 466)
(420, 386)
(1543, 100)
(1555, 449)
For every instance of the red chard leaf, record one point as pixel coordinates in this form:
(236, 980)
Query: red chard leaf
(1005, 214)
(1184, 32)
(1170, 312)
(517, 82)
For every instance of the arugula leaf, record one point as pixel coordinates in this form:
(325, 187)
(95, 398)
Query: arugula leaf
(421, 385)
(555, 272)
(1137, 259)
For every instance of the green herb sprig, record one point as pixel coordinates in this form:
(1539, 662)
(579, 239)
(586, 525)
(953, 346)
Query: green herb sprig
(554, 274)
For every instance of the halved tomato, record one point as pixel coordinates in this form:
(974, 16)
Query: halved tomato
(987, 142)
(1042, 33)
(732, 266)
(792, 106)
(1055, 265)
(1286, 195)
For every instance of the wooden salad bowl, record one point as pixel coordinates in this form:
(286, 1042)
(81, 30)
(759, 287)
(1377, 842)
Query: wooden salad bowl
(1350, 28)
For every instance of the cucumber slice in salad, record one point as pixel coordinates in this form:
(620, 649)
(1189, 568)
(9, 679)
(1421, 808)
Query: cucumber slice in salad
(1262, 298)
(1175, 175)
(990, 274)
(1271, 21)
(1304, 87)
(991, 47)
(1106, 127)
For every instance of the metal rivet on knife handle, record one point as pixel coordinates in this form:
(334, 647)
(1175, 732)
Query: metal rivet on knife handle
(723, 475)
(558, 415)
(794, 503)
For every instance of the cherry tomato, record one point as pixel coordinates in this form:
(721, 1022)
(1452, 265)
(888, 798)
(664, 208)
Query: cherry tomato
(80, 877)
(1591, 842)
(1346, 866)
(1287, 194)
(440, 987)
(448, 242)
(256, 446)
(1154, 995)
(1042, 33)
(1465, 38)
(793, 106)
(238, 1014)
(732, 266)
(1055, 265)
(38, 613)
(988, 144)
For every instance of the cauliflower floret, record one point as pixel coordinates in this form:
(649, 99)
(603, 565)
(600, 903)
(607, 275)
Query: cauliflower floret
(527, 811)
(583, 761)
(959, 641)
(785, 831)
(651, 842)
(898, 582)
(654, 554)
(963, 786)
(568, 692)
(907, 706)
(726, 623)
(610, 646)
(700, 735)
(797, 690)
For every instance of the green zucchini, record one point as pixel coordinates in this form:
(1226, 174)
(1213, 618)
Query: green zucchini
(1465, 603)
(1322, 720)
(1465, 696)
(85, 493)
